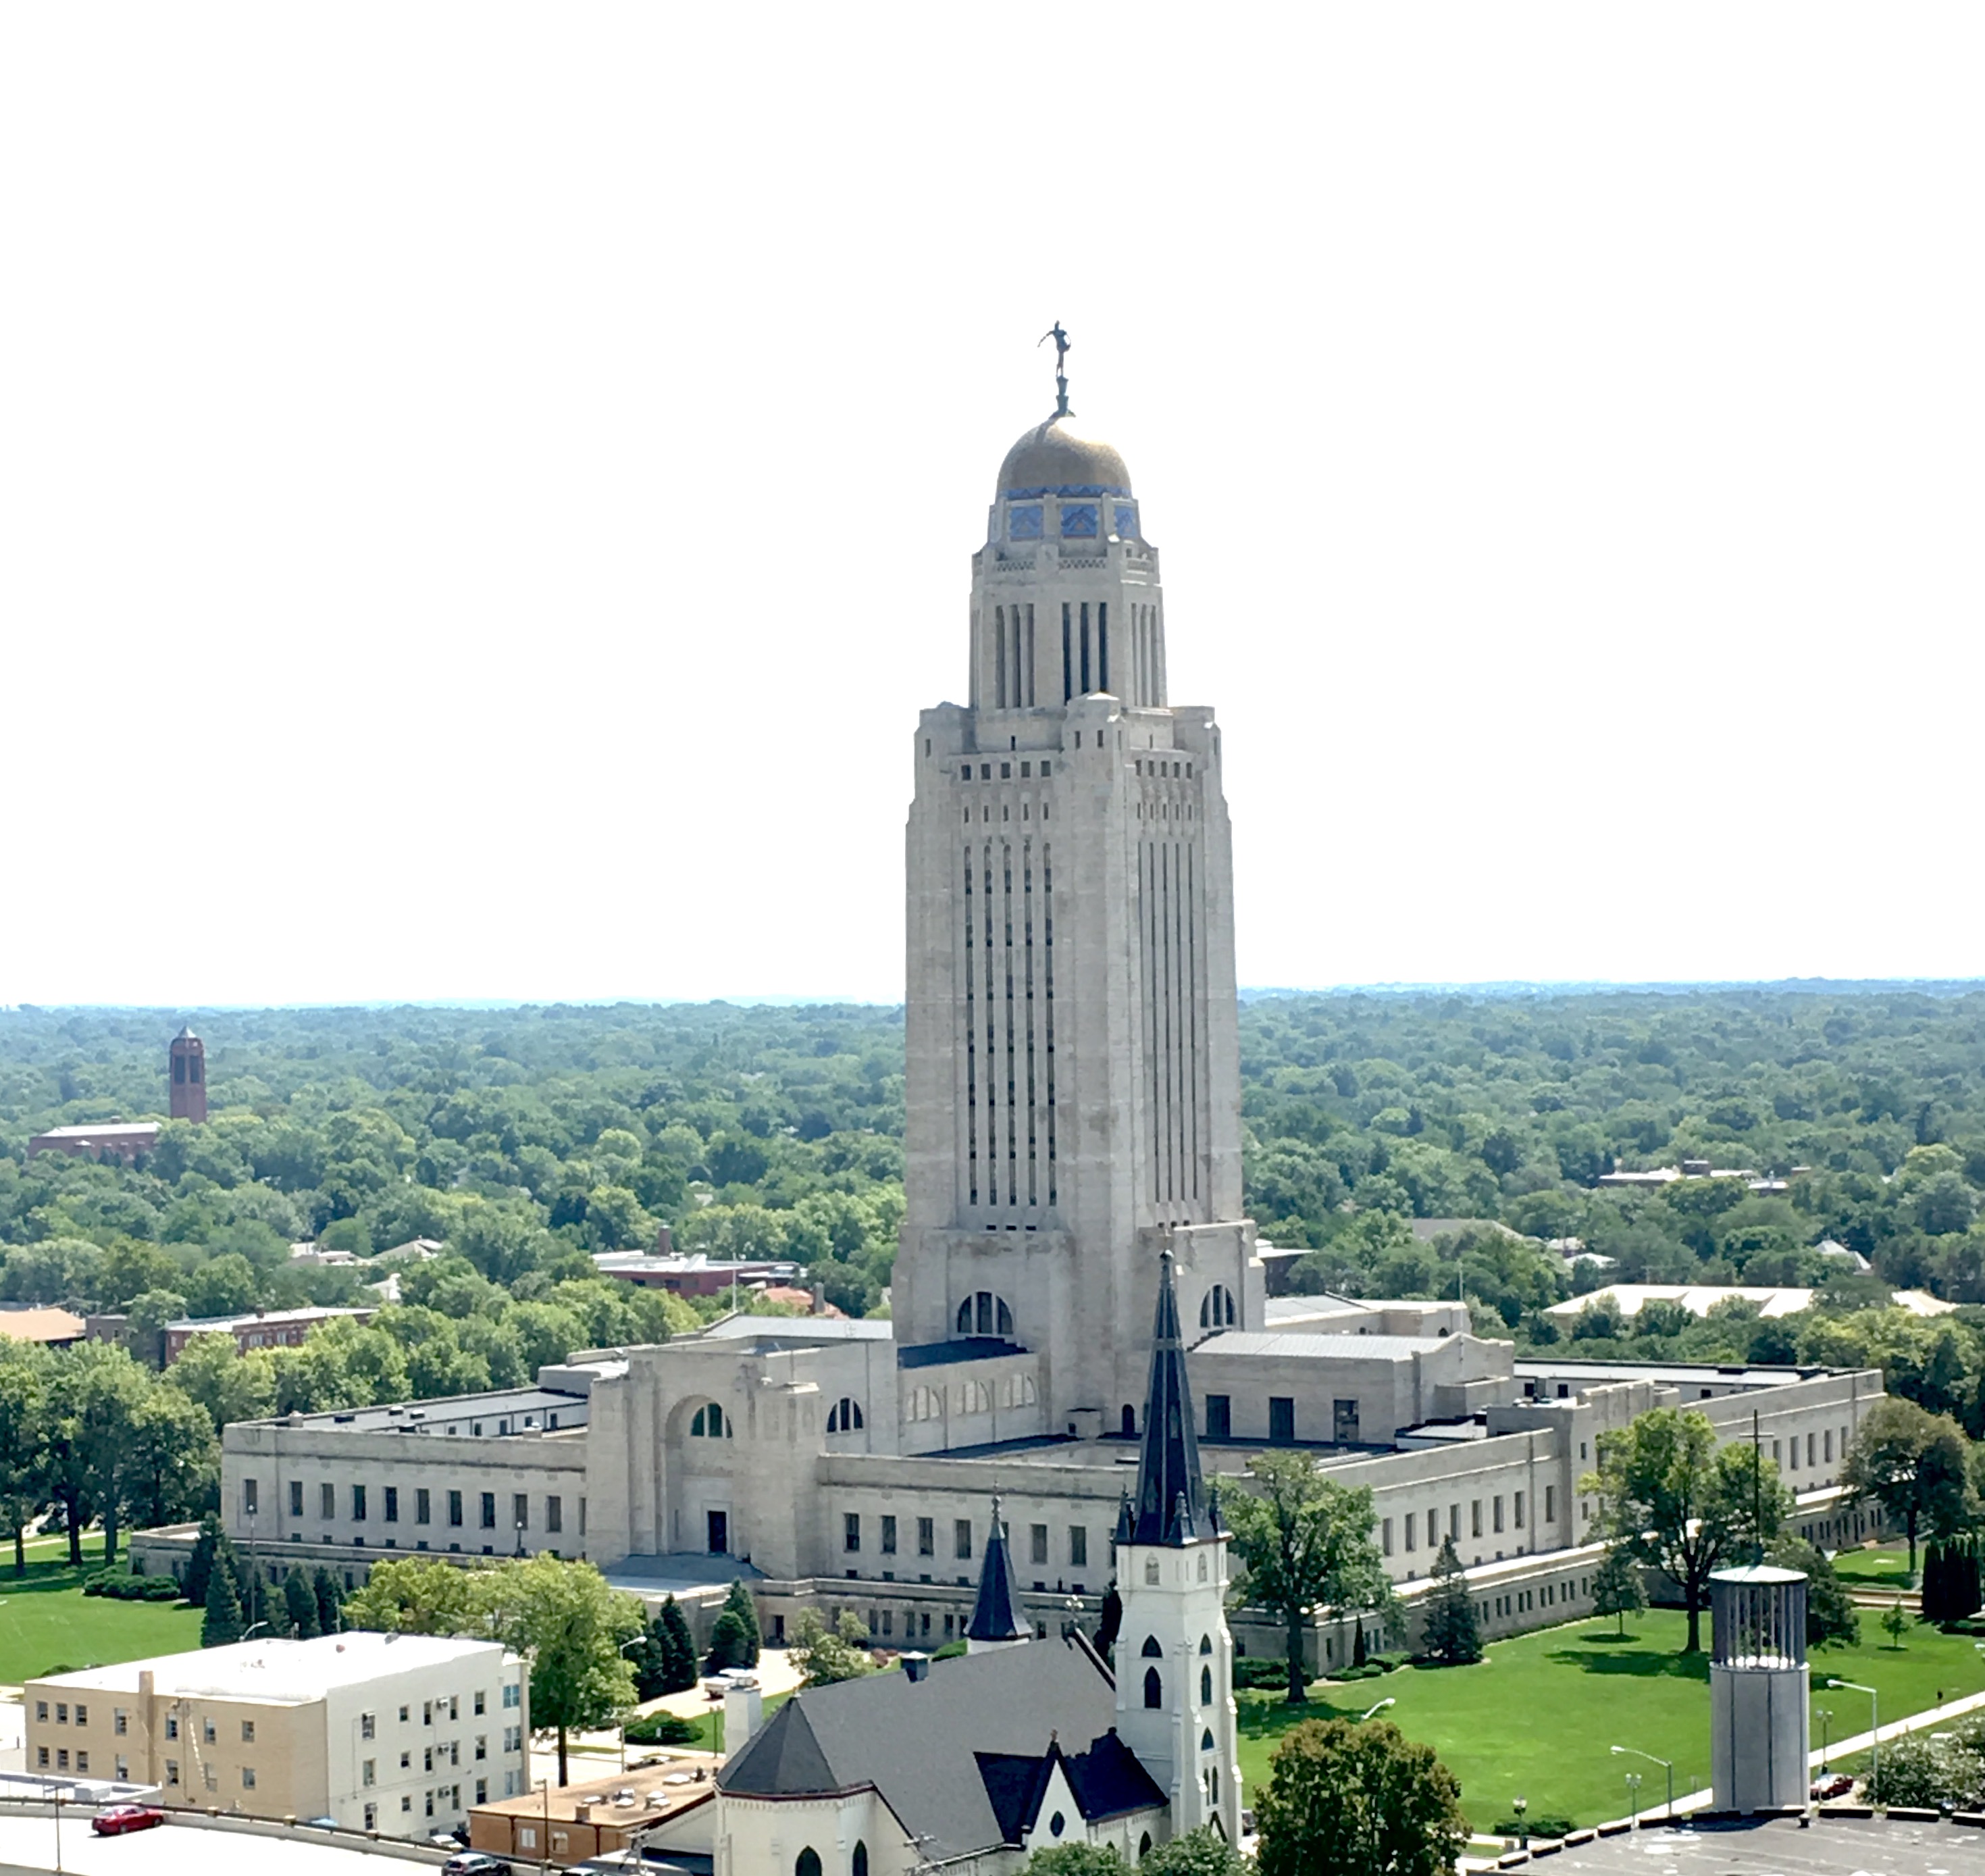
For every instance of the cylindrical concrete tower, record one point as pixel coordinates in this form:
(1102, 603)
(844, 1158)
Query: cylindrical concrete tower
(189, 1078)
(1759, 1739)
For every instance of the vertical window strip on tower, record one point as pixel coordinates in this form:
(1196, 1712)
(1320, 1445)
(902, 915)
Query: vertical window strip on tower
(1030, 662)
(991, 1046)
(1086, 686)
(1103, 644)
(998, 658)
(971, 1048)
(1010, 1065)
(1067, 657)
(1031, 1018)
(1191, 982)
(1047, 974)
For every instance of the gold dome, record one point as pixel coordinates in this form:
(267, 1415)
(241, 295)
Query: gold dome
(1057, 456)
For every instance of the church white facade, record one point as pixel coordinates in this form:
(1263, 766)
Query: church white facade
(1073, 1117)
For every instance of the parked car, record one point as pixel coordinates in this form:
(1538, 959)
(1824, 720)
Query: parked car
(1834, 1785)
(474, 1862)
(456, 1839)
(718, 1685)
(120, 1818)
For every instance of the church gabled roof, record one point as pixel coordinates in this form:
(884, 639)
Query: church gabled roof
(1171, 1493)
(1108, 1781)
(994, 1616)
(784, 1761)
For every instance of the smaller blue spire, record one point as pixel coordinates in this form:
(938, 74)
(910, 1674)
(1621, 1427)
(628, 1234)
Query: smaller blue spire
(995, 1618)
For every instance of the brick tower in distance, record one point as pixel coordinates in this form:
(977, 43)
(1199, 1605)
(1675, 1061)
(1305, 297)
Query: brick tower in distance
(189, 1078)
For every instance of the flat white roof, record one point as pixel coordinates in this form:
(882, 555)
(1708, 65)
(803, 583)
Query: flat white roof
(1313, 1347)
(98, 1130)
(280, 1671)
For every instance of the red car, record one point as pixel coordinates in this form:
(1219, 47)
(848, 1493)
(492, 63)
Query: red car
(122, 1818)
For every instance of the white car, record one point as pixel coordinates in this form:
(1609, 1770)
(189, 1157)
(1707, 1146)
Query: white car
(716, 1686)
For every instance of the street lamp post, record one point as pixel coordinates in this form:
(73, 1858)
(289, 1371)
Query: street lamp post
(545, 1845)
(1666, 1765)
(1875, 1719)
(1520, 1805)
(624, 1646)
(1824, 1716)
(1634, 1799)
(58, 1861)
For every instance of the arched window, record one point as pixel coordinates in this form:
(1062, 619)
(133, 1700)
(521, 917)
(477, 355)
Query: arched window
(806, 1863)
(845, 1416)
(861, 1864)
(1206, 1740)
(1150, 1569)
(1145, 1847)
(1217, 1310)
(709, 1423)
(1206, 1686)
(1154, 1691)
(984, 1314)
(1206, 1644)
(1129, 1422)
(1150, 1650)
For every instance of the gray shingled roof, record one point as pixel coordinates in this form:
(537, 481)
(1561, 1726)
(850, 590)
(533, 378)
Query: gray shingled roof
(920, 1743)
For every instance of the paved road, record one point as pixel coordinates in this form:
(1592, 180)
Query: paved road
(182, 1850)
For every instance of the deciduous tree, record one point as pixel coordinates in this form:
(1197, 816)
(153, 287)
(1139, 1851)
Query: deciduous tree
(1617, 1588)
(1914, 1465)
(1305, 1541)
(1451, 1634)
(1348, 1800)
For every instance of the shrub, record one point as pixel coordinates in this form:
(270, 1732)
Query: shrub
(1254, 1670)
(1932, 1773)
(1544, 1825)
(664, 1730)
(125, 1586)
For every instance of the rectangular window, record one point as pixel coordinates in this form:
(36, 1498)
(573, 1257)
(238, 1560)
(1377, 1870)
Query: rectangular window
(62, 1758)
(479, 1700)
(490, 1510)
(392, 1506)
(119, 1721)
(1475, 1517)
(358, 1504)
(208, 1732)
(889, 1537)
(82, 1761)
(1219, 1416)
(42, 1758)
(1078, 1546)
(1344, 1422)
(82, 1716)
(482, 1791)
(926, 1536)
(172, 1771)
(123, 1769)
(368, 1773)
(961, 1538)
(1550, 1505)
(454, 1508)
(247, 1733)
(482, 1745)
(1811, 1438)
(1497, 1508)
(1282, 1419)
(1385, 1535)
(1796, 1447)
(554, 1513)
(1454, 1522)
(368, 1725)
(1037, 1537)
(296, 1497)
(327, 1500)
(1517, 1506)
(1828, 1449)
(172, 1725)
(850, 1531)
(247, 1778)
(251, 1496)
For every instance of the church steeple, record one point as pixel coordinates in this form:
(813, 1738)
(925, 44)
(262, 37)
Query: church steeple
(1171, 1492)
(996, 1622)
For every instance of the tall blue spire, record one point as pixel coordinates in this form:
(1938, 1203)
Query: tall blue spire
(995, 1618)
(1171, 1494)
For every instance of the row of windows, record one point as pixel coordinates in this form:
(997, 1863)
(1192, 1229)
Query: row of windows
(1497, 1508)
(1005, 771)
(1344, 1422)
(963, 1398)
(1038, 1539)
(456, 1505)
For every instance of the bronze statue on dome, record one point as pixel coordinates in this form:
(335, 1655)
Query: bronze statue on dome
(1060, 338)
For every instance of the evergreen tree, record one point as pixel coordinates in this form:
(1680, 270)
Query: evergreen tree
(1616, 1587)
(729, 1642)
(329, 1603)
(200, 1565)
(1453, 1635)
(678, 1648)
(299, 1605)
(222, 1623)
(739, 1602)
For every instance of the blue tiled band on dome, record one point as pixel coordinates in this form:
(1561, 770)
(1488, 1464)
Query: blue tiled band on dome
(1067, 488)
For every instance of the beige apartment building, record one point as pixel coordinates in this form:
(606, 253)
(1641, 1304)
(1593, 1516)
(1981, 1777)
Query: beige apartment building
(402, 1734)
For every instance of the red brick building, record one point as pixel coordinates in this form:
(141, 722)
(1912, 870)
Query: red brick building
(259, 1329)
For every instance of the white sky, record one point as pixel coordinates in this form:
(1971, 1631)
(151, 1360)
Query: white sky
(484, 491)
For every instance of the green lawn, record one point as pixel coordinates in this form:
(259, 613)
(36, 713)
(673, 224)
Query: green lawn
(1885, 1569)
(1536, 1716)
(46, 1621)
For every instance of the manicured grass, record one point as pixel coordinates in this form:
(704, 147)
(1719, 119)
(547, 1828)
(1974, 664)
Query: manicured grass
(1537, 1716)
(46, 1621)
(1885, 1569)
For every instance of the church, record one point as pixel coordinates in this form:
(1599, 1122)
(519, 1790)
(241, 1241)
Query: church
(1023, 1742)
(1073, 1174)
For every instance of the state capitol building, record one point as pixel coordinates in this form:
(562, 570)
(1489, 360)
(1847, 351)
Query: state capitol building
(1073, 1117)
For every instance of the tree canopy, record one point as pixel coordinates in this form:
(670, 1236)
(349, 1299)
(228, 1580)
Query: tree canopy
(1346, 1799)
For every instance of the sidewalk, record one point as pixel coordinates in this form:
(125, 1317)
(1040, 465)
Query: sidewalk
(601, 1751)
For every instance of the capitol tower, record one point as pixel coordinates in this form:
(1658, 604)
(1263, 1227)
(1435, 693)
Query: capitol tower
(1073, 1076)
